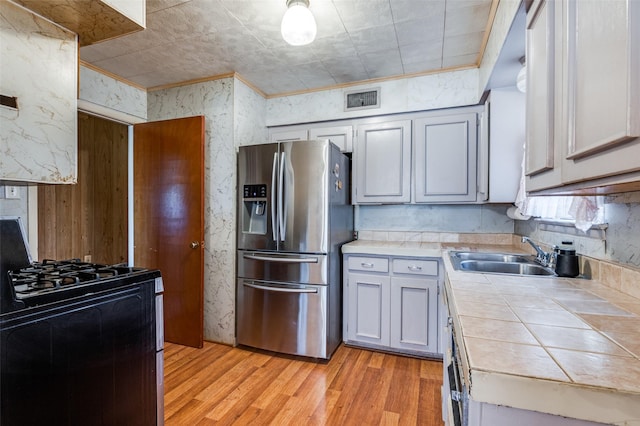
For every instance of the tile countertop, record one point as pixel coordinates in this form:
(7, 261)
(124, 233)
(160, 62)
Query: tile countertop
(563, 346)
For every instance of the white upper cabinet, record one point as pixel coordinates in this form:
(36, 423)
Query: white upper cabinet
(445, 153)
(39, 68)
(382, 162)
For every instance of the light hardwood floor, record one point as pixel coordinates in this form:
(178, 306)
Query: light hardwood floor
(223, 385)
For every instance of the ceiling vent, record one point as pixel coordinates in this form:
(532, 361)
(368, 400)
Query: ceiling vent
(362, 100)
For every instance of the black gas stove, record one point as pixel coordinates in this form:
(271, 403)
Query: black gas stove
(54, 280)
(84, 340)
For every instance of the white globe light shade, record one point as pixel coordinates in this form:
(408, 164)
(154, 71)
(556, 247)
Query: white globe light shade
(298, 25)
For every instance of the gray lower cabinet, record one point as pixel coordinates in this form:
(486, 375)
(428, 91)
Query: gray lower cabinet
(369, 309)
(392, 303)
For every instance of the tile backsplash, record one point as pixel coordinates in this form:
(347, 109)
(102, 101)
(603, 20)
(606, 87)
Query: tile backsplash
(621, 277)
(437, 237)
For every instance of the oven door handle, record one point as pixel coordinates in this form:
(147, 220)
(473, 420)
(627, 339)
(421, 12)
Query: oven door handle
(303, 259)
(281, 289)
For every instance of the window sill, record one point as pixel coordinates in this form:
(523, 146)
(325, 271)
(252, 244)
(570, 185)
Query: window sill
(568, 227)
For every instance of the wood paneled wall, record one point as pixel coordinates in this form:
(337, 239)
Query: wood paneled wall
(89, 218)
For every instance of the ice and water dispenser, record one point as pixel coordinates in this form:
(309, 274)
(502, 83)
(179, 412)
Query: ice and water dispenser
(254, 214)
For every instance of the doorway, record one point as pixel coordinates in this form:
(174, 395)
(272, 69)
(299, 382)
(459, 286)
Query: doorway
(89, 220)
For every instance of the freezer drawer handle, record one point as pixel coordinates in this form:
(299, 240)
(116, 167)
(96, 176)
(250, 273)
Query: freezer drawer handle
(282, 289)
(282, 259)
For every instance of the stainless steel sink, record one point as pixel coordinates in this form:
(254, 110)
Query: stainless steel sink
(516, 268)
(494, 257)
(498, 263)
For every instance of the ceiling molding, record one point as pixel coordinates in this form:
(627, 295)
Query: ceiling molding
(110, 75)
(373, 80)
(487, 31)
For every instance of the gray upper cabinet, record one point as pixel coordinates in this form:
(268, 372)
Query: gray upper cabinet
(288, 135)
(339, 135)
(342, 136)
(421, 157)
(382, 162)
(543, 53)
(603, 88)
(445, 153)
(583, 96)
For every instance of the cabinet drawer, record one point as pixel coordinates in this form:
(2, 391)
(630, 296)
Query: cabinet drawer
(415, 266)
(371, 264)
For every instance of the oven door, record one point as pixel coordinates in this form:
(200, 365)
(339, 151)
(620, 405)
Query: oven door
(86, 361)
(455, 397)
(286, 318)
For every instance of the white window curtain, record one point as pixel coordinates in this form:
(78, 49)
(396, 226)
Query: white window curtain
(584, 211)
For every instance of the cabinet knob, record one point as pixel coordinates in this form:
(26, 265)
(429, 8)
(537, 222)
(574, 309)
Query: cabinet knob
(194, 244)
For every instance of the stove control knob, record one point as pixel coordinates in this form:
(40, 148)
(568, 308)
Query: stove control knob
(195, 244)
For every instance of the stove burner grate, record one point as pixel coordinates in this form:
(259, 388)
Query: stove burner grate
(52, 275)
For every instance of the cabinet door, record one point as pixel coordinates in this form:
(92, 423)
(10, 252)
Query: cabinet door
(382, 163)
(603, 90)
(414, 314)
(288, 136)
(445, 158)
(368, 308)
(341, 136)
(541, 93)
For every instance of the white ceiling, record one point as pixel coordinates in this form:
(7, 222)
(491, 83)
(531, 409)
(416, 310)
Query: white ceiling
(357, 40)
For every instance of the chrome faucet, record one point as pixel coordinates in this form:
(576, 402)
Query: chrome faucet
(542, 257)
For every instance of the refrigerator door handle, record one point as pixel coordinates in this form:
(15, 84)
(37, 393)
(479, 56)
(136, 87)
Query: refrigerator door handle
(302, 259)
(280, 289)
(282, 212)
(274, 174)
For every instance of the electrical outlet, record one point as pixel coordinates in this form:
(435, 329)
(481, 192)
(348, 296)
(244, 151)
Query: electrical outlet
(87, 258)
(12, 192)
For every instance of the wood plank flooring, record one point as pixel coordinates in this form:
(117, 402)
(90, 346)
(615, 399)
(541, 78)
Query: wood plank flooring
(222, 385)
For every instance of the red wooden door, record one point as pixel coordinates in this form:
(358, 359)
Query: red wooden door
(169, 219)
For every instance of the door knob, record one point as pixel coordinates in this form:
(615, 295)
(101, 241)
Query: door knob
(195, 244)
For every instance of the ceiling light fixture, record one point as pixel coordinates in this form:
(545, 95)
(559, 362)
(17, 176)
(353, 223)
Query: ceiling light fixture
(298, 24)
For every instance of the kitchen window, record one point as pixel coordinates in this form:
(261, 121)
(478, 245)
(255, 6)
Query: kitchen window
(582, 212)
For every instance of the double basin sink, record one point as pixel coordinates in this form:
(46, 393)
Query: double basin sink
(498, 263)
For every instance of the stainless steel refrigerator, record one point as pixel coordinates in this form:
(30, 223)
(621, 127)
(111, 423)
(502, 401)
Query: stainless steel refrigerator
(294, 213)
